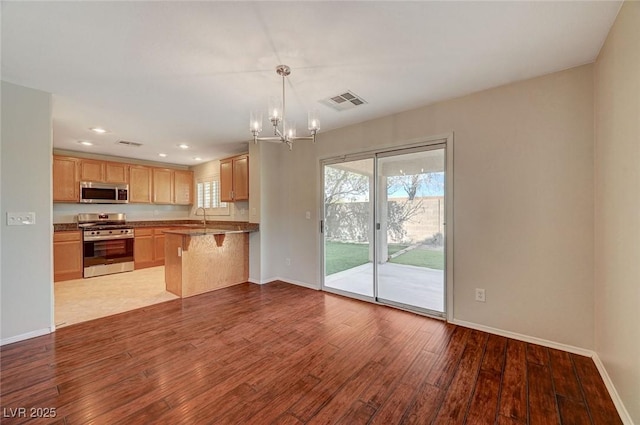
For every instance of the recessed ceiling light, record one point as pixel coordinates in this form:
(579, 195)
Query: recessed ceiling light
(197, 158)
(183, 146)
(98, 130)
(164, 155)
(85, 143)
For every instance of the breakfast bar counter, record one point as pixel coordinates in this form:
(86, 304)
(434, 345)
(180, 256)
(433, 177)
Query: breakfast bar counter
(199, 260)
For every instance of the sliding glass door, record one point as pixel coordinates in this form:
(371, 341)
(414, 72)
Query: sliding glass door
(348, 227)
(384, 227)
(411, 207)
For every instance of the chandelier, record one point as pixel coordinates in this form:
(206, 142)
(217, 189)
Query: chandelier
(283, 131)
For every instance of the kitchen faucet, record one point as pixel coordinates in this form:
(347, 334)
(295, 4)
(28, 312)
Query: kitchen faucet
(204, 216)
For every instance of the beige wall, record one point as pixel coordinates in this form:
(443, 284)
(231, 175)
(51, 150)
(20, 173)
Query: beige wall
(523, 201)
(617, 202)
(26, 280)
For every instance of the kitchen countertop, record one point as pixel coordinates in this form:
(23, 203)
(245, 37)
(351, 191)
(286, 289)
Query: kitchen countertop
(217, 225)
(208, 231)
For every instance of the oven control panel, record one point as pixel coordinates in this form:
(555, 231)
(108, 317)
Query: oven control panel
(106, 234)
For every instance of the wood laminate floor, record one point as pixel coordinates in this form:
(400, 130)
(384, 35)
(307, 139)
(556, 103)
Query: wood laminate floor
(283, 354)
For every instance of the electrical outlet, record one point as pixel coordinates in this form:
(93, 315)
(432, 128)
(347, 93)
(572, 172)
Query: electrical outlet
(308, 215)
(287, 261)
(20, 218)
(480, 295)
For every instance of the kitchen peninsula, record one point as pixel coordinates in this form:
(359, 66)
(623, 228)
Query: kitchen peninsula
(199, 260)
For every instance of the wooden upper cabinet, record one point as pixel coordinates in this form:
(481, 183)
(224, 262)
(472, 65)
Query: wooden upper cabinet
(91, 170)
(162, 186)
(234, 179)
(116, 172)
(146, 184)
(226, 180)
(183, 187)
(241, 178)
(105, 172)
(66, 186)
(140, 184)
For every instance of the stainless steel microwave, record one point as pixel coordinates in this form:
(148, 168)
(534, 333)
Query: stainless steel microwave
(104, 193)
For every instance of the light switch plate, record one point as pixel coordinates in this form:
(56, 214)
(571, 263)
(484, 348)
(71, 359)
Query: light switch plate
(20, 218)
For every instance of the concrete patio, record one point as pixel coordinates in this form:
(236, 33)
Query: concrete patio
(414, 286)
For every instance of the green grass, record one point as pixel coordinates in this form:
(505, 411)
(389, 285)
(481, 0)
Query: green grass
(394, 247)
(343, 256)
(421, 258)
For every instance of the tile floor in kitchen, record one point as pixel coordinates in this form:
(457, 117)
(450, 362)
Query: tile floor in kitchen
(80, 300)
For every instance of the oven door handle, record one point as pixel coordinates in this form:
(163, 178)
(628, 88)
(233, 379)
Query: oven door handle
(90, 238)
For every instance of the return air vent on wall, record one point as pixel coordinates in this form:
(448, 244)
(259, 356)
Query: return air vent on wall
(344, 101)
(128, 143)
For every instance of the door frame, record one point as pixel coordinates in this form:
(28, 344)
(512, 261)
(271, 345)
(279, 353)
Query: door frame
(448, 141)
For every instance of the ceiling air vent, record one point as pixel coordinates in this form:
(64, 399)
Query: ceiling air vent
(128, 143)
(344, 101)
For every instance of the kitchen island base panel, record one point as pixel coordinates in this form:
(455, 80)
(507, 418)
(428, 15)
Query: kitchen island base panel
(195, 264)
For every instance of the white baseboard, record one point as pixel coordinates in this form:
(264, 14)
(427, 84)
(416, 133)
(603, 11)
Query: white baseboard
(256, 281)
(293, 282)
(622, 411)
(28, 335)
(263, 281)
(617, 401)
(299, 283)
(525, 338)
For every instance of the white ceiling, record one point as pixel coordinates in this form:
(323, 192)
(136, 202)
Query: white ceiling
(164, 73)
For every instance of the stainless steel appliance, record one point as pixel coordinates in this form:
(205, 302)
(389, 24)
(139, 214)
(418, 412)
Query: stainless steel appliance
(104, 193)
(107, 242)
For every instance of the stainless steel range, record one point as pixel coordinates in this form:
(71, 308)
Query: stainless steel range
(107, 242)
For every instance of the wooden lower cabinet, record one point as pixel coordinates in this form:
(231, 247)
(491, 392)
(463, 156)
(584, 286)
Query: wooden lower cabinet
(149, 247)
(143, 248)
(67, 255)
(158, 243)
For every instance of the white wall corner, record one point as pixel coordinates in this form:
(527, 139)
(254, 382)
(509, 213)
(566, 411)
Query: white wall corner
(299, 283)
(257, 281)
(617, 401)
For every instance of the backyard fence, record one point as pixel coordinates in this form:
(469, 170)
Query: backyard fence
(409, 221)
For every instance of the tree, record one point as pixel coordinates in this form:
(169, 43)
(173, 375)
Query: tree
(346, 205)
(342, 185)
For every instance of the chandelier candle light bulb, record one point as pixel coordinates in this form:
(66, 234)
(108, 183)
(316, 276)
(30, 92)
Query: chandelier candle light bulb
(255, 123)
(291, 130)
(275, 105)
(283, 133)
(314, 121)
